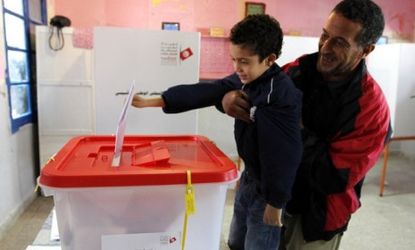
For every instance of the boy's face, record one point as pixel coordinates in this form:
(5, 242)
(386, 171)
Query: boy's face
(247, 65)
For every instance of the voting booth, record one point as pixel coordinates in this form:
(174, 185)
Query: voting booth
(99, 205)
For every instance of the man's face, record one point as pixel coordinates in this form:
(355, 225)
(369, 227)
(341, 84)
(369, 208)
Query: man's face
(246, 64)
(339, 53)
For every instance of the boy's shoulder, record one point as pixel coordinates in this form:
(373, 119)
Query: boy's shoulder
(278, 89)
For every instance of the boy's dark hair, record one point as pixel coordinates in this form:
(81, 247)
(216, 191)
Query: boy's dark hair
(260, 33)
(368, 14)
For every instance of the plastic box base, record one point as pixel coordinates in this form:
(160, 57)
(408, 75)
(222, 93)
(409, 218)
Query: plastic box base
(85, 214)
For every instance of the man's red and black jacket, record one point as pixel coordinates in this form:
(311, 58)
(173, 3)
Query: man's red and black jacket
(346, 125)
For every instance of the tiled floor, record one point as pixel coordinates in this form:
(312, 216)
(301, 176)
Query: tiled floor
(28, 225)
(383, 223)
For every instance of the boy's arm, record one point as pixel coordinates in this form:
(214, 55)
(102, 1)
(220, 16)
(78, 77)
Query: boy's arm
(141, 102)
(181, 98)
(280, 151)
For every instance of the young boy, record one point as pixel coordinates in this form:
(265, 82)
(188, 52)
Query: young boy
(269, 141)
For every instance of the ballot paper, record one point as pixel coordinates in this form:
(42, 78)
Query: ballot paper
(122, 122)
(142, 241)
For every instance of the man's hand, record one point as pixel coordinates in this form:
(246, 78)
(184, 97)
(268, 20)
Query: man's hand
(236, 104)
(272, 216)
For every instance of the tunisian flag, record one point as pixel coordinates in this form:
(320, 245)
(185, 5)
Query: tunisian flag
(186, 53)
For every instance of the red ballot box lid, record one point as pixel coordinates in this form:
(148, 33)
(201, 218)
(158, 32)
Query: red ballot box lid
(86, 161)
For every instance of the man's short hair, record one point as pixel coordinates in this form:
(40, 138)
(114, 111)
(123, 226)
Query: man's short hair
(368, 14)
(260, 33)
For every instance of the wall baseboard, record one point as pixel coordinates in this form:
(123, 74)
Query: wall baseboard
(14, 215)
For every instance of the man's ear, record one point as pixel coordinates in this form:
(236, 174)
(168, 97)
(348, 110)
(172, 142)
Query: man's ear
(366, 50)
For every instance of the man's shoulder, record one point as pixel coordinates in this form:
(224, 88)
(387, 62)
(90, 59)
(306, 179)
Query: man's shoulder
(301, 60)
(301, 65)
(371, 88)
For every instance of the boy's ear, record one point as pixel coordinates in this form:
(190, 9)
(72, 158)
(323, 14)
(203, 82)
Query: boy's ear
(271, 59)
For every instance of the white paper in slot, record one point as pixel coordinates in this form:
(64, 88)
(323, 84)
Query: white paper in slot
(122, 122)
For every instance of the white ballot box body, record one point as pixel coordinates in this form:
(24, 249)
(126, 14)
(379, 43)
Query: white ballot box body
(93, 199)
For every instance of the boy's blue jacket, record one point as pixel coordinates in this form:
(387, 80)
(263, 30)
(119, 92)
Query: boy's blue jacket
(271, 145)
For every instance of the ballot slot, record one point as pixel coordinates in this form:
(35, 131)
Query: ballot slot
(152, 153)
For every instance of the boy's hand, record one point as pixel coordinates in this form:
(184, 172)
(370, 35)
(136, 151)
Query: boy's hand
(141, 102)
(272, 216)
(138, 101)
(236, 104)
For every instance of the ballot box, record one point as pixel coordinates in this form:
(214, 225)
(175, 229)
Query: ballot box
(145, 195)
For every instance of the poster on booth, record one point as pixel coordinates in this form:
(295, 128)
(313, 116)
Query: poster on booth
(157, 59)
(143, 241)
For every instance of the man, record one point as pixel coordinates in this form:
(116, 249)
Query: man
(345, 122)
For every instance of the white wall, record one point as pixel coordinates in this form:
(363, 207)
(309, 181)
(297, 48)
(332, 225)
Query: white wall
(392, 66)
(16, 157)
(16, 170)
(65, 90)
(296, 46)
(385, 75)
(406, 105)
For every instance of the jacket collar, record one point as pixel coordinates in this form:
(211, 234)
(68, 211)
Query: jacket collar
(308, 65)
(266, 76)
